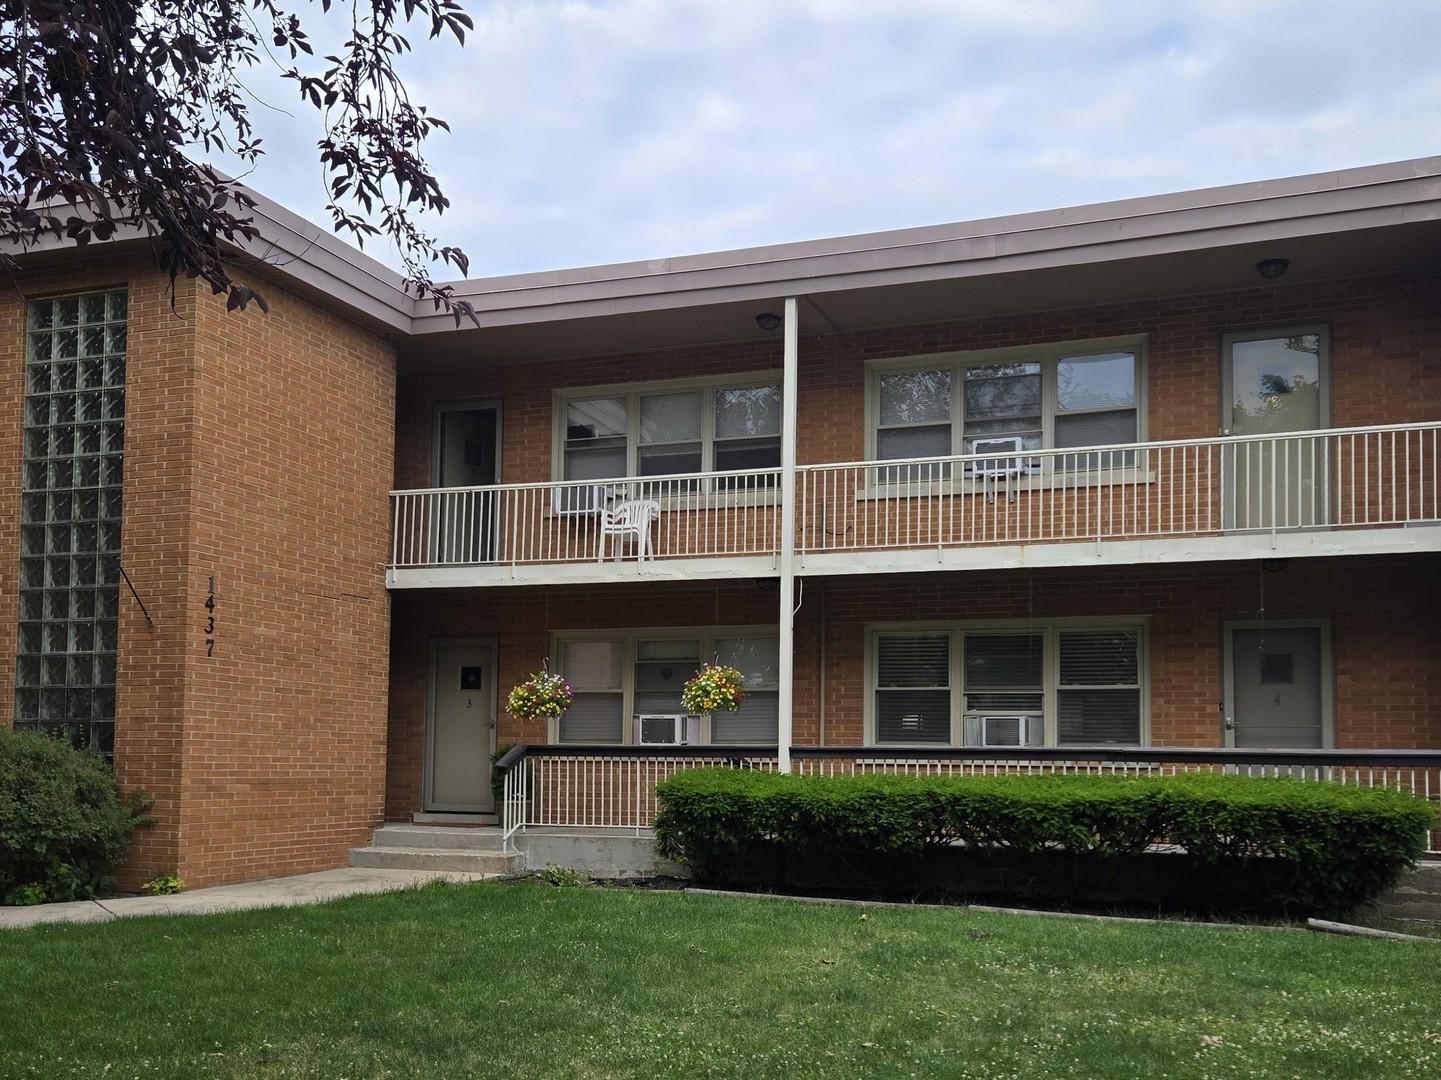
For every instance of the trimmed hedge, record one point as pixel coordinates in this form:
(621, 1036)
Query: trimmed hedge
(63, 822)
(1324, 847)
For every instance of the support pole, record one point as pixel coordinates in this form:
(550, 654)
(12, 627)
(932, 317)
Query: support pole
(789, 386)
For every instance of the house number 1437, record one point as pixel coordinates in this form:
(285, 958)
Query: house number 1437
(210, 620)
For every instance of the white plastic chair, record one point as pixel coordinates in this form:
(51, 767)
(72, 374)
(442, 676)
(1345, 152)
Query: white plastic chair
(630, 519)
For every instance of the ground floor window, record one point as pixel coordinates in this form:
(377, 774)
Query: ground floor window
(1034, 684)
(628, 684)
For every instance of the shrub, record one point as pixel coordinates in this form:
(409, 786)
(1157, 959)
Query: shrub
(1327, 848)
(167, 884)
(63, 823)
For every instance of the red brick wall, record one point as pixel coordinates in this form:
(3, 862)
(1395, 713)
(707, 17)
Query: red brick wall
(1386, 346)
(1385, 635)
(285, 723)
(258, 451)
(523, 619)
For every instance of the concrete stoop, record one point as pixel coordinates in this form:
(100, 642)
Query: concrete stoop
(1416, 896)
(433, 847)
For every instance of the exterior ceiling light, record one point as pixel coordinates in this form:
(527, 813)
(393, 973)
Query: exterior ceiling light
(768, 320)
(1272, 268)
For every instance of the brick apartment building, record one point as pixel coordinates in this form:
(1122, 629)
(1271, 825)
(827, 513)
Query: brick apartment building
(1160, 473)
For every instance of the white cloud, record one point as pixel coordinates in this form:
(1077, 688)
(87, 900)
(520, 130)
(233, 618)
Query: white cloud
(629, 129)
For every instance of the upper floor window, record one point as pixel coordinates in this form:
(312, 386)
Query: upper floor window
(1055, 396)
(663, 430)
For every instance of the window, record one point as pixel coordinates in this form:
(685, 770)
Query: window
(674, 429)
(1075, 394)
(70, 518)
(618, 678)
(1066, 684)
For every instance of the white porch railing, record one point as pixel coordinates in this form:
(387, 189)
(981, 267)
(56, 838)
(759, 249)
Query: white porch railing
(1339, 478)
(596, 787)
(704, 515)
(1344, 478)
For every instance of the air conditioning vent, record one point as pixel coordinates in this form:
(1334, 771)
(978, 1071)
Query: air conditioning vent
(998, 466)
(667, 730)
(571, 499)
(1006, 730)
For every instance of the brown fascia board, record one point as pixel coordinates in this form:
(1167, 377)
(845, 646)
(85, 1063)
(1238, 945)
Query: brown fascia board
(289, 249)
(322, 263)
(330, 269)
(1320, 203)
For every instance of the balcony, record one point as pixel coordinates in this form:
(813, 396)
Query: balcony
(1332, 492)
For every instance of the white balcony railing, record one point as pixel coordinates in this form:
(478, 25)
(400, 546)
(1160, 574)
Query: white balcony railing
(1354, 478)
(614, 787)
(1339, 479)
(705, 515)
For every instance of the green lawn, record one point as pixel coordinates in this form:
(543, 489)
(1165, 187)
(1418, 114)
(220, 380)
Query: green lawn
(513, 981)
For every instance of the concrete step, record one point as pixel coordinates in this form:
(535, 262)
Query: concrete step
(456, 860)
(1416, 896)
(401, 835)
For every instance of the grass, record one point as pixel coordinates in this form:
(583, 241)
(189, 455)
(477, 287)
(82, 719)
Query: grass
(534, 981)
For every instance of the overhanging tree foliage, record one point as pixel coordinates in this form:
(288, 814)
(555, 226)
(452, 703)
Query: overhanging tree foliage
(102, 102)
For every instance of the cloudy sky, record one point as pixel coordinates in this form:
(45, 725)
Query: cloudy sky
(595, 131)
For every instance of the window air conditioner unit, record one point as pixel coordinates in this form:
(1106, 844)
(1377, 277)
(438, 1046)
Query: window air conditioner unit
(1011, 465)
(575, 499)
(666, 730)
(1007, 730)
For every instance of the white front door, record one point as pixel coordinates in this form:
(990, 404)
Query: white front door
(460, 732)
(1273, 384)
(1278, 691)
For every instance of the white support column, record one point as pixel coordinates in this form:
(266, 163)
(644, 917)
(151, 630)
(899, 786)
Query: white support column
(789, 387)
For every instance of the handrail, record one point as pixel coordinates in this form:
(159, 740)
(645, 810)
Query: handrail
(1117, 448)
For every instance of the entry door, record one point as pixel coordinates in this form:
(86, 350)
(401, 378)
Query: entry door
(460, 732)
(467, 454)
(1274, 383)
(1278, 686)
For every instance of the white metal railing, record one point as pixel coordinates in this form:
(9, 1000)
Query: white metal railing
(705, 515)
(1337, 478)
(1340, 478)
(614, 788)
(561, 786)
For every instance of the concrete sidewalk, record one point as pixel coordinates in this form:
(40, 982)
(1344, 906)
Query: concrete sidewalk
(275, 892)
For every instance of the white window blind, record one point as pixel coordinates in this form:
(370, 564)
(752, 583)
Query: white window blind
(1099, 698)
(913, 697)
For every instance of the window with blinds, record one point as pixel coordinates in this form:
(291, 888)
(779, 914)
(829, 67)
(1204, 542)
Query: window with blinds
(695, 426)
(1098, 700)
(1056, 684)
(1075, 394)
(913, 696)
(618, 679)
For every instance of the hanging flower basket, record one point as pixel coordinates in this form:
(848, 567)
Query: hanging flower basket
(541, 696)
(714, 688)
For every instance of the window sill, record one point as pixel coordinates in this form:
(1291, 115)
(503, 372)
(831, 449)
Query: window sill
(1009, 485)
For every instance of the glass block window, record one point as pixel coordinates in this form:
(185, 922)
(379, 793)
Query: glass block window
(70, 518)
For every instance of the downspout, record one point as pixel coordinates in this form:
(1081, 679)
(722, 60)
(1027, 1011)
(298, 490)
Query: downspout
(821, 659)
(787, 620)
